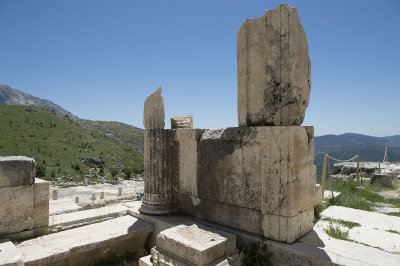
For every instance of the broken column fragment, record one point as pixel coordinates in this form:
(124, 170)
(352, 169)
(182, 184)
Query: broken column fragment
(153, 114)
(183, 121)
(158, 159)
(274, 69)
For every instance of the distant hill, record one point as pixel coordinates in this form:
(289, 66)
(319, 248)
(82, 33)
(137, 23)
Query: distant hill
(58, 144)
(125, 134)
(10, 96)
(347, 145)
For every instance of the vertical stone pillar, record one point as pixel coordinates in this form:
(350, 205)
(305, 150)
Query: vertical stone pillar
(160, 156)
(274, 69)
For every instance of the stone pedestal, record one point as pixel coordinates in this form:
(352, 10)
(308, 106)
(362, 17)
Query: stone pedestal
(193, 245)
(160, 172)
(257, 179)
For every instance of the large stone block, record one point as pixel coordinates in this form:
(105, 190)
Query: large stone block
(16, 209)
(274, 69)
(229, 167)
(16, 171)
(41, 197)
(196, 245)
(287, 170)
(246, 174)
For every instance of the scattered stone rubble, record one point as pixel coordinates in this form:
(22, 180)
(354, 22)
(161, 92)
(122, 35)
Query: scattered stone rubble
(379, 173)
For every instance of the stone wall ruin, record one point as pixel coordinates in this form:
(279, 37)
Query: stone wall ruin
(258, 177)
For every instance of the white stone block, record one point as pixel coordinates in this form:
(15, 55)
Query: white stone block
(16, 171)
(16, 209)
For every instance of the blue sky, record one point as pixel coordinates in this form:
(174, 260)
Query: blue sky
(100, 59)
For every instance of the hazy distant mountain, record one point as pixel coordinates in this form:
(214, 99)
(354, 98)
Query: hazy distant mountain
(345, 146)
(10, 96)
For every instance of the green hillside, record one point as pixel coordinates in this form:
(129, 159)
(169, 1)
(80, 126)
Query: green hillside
(126, 134)
(60, 145)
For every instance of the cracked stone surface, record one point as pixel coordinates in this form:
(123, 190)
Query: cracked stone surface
(274, 69)
(153, 114)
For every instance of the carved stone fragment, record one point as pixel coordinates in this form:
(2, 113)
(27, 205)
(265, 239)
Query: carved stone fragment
(274, 69)
(184, 121)
(153, 114)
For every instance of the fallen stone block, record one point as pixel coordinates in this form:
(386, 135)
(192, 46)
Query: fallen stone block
(184, 121)
(382, 179)
(16, 171)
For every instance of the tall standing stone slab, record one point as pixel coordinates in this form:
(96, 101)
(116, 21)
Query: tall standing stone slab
(274, 69)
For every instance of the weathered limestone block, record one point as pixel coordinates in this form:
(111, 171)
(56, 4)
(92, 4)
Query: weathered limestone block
(153, 114)
(246, 176)
(188, 139)
(41, 197)
(288, 170)
(16, 209)
(229, 169)
(184, 121)
(16, 171)
(288, 228)
(160, 172)
(382, 179)
(274, 69)
(194, 245)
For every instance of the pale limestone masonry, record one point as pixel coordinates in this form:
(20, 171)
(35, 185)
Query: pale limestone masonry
(193, 245)
(24, 208)
(159, 160)
(258, 177)
(274, 69)
(16, 171)
(184, 121)
(41, 204)
(153, 114)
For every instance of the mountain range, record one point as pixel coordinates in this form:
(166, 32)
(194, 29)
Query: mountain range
(343, 146)
(10, 96)
(126, 134)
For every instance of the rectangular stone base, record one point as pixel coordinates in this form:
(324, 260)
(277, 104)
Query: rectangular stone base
(242, 177)
(193, 245)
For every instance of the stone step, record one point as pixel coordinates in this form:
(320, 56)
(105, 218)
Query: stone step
(71, 220)
(86, 244)
(9, 254)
